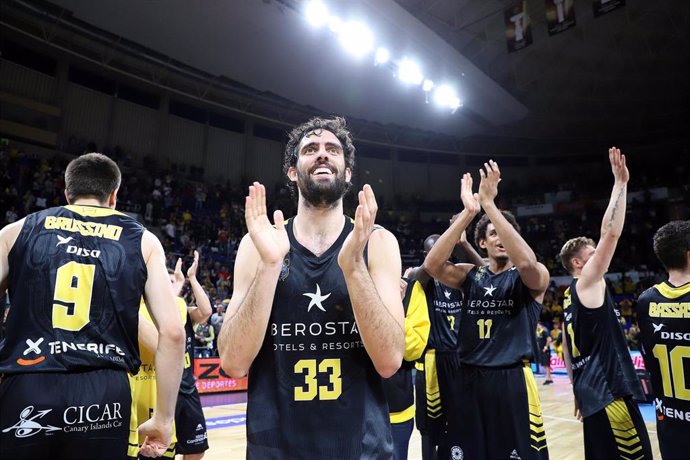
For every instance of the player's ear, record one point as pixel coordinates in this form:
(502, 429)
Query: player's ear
(348, 175)
(67, 197)
(292, 174)
(112, 199)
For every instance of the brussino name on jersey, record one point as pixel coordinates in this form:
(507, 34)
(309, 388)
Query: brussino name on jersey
(108, 231)
(669, 310)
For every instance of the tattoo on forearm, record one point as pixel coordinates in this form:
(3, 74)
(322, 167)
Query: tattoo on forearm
(615, 207)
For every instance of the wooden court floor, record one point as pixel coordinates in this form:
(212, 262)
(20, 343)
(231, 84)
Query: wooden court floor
(563, 431)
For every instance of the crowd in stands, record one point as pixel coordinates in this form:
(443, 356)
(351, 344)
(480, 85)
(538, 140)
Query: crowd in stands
(188, 213)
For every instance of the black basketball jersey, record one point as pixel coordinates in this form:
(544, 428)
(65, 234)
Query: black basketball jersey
(602, 368)
(76, 276)
(663, 314)
(313, 390)
(444, 304)
(188, 383)
(498, 319)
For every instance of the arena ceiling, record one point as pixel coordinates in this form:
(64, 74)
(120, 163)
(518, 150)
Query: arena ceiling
(622, 75)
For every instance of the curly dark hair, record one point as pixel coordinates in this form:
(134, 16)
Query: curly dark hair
(480, 228)
(672, 243)
(336, 125)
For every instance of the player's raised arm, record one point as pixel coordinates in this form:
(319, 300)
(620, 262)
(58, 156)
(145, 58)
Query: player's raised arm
(589, 283)
(257, 268)
(375, 289)
(202, 311)
(436, 263)
(533, 273)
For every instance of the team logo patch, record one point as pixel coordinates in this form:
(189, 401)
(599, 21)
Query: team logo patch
(62, 240)
(28, 426)
(32, 347)
(199, 427)
(447, 294)
(514, 455)
(456, 453)
(657, 327)
(285, 269)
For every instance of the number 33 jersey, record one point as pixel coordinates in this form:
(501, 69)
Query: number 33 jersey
(313, 390)
(76, 276)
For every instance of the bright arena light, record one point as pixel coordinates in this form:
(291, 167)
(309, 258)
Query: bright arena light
(356, 38)
(409, 72)
(382, 56)
(335, 24)
(445, 96)
(427, 86)
(316, 13)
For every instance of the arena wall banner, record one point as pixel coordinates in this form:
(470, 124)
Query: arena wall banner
(518, 26)
(606, 6)
(558, 365)
(560, 15)
(210, 377)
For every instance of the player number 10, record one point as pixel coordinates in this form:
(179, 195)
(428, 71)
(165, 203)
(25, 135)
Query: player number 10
(671, 365)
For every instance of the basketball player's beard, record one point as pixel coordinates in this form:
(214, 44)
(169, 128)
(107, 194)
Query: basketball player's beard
(322, 195)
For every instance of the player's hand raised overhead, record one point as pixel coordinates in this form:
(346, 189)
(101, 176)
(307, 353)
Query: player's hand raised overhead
(469, 200)
(191, 271)
(618, 165)
(352, 251)
(270, 241)
(488, 186)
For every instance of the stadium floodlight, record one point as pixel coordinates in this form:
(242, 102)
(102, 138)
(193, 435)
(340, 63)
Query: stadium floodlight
(335, 24)
(382, 56)
(356, 38)
(445, 96)
(409, 72)
(428, 85)
(316, 13)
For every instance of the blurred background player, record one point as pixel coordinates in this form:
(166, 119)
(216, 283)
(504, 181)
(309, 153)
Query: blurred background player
(189, 436)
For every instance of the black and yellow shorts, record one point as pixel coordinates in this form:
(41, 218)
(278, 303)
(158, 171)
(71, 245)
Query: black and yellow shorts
(617, 432)
(429, 415)
(491, 412)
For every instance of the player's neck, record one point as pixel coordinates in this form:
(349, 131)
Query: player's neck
(499, 265)
(317, 228)
(679, 277)
(88, 202)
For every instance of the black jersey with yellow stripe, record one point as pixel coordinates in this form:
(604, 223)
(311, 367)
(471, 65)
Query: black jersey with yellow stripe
(498, 319)
(663, 314)
(76, 275)
(602, 368)
(313, 390)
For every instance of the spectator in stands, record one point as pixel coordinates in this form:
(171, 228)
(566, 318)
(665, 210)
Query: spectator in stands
(204, 335)
(218, 317)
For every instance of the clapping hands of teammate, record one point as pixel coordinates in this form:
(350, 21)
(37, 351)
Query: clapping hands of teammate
(178, 277)
(618, 165)
(157, 436)
(488, 186)
(191, 271)
(469, 200)
(271, 242)
(352, 252)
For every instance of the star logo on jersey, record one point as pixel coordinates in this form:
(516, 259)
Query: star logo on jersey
(32, 347)
(489, 291)
(657, 327)
(447, 294)
(316, 299)
(62, 240)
